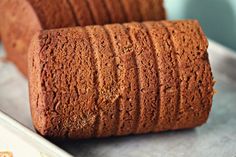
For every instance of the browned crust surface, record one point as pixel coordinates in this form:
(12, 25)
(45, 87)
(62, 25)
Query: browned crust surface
(99, 12)
(151, 10)
(53, 15)
(16, 34)
(127, 79)
(169, 79)
(196, 85)
(107, 86)
(21, 19)
(82, 12)
(131, 9)
(116, 11)
(144, 55)
(118, 79)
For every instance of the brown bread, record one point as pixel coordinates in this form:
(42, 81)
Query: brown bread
(20, 19)
(127, 108)
(149, 10)
(119, 79)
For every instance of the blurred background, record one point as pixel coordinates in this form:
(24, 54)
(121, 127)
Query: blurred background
(217, 17)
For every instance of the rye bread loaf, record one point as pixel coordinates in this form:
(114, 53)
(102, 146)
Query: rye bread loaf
(20, 19)
(119, 79)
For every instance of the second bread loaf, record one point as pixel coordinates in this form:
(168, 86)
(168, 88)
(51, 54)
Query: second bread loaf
(113, 80)
(20, 19)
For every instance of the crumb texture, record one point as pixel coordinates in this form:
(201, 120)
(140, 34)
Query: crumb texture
(120, 79)
(21, 19)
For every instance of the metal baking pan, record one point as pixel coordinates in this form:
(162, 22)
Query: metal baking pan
(216, 138)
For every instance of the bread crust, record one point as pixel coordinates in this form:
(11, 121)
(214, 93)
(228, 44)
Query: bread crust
(21, 19)
(120, 79)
